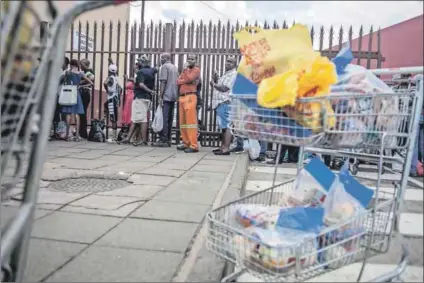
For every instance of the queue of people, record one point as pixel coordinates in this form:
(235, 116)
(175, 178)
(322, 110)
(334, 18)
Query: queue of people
(184, 88)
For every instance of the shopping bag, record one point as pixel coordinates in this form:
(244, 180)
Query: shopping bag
(68, 95)
(254, 149)
(157, 124)
(285, 67)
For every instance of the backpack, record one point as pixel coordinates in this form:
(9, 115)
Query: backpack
(123, 133)
(96, 131)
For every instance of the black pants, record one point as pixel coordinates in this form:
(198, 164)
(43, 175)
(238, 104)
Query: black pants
(293, 154)
(168, 117)
(85, 97)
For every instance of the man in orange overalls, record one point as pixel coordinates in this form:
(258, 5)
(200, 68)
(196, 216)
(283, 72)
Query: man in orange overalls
(187, 82)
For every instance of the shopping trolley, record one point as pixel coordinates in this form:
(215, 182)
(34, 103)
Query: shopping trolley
(28, 99)
(394, 116)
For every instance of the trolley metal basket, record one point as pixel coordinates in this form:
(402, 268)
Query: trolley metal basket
(384, 121)
(28, 98)
(306, 258)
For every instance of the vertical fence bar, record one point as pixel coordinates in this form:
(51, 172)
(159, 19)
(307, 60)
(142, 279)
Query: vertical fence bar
(379, 49)
(361, 31)
(79, 41)
(96, 73)
(72, 42)
(127, 72)
(330, 43)
(340, 37)
(370, 36)
(102, 48)
(87, 32)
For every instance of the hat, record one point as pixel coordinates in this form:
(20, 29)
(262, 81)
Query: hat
(113, 68)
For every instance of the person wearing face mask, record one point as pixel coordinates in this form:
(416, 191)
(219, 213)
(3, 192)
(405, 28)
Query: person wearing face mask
(187, 82)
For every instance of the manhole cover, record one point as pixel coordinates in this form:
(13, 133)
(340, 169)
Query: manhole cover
(87, 185)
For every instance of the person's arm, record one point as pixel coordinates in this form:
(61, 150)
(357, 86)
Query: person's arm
(226, 85)
(163, 78)
(88, 79)
(106, 84)
(190, 77)
(140, 82)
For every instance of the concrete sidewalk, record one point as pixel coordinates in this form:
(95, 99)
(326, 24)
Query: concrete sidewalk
(115, 213)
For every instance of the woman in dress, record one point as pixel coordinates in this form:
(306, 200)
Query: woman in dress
(73, 76)
(129, 90)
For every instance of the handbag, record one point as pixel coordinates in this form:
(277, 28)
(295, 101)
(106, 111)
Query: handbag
(68, 95)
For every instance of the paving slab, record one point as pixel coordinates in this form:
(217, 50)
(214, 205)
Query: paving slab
(212, 168)
(107, 264)
(141, 179)
(137, 191)
(8, 212)
(115, 158)
(128, 166)
(175, 211)
(104, 205)
(90, 154)
(163, 172)
(150, 235)
(45, 256)
(46, 196)
(73, 163)
(72, 227)
(150, 159)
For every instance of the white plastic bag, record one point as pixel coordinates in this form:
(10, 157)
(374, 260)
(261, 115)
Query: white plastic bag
(254, 149)
(68, 95)
(157, 124)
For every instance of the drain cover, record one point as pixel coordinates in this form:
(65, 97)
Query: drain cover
(90, 185)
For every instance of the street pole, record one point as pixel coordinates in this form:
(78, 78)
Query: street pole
(142, 11)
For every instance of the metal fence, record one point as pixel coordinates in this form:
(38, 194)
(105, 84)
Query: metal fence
(212, 43)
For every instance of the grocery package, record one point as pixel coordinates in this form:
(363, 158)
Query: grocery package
(274, 251)
(261, 123)
(357, 80)
(255, 215)
(285, 67)
(320, 220)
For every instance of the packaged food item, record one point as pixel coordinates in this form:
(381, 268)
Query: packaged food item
(277, 252)
(341, 207)
(256, 215)
(286, 73)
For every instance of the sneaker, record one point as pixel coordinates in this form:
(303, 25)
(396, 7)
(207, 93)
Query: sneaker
(261, 158)
(181, 147)
(237, 150)
(190, 150)
(222, 152)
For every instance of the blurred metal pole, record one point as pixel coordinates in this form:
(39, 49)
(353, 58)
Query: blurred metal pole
(142, 11)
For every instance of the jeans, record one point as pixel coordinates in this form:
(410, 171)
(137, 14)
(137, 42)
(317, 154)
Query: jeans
(418, 146)
(264, 146)
(168, 117)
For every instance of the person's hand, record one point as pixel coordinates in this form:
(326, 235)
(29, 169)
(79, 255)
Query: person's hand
(212, 83)
(215, 77)
(161, 101)
(153, 92)
(125, 77)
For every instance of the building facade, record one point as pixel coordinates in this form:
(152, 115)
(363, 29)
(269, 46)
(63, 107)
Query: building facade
(401, 44)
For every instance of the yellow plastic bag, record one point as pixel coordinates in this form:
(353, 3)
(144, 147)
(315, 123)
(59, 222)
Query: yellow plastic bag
(286, 67)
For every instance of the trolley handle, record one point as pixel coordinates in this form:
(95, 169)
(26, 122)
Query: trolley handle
(396, 272)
